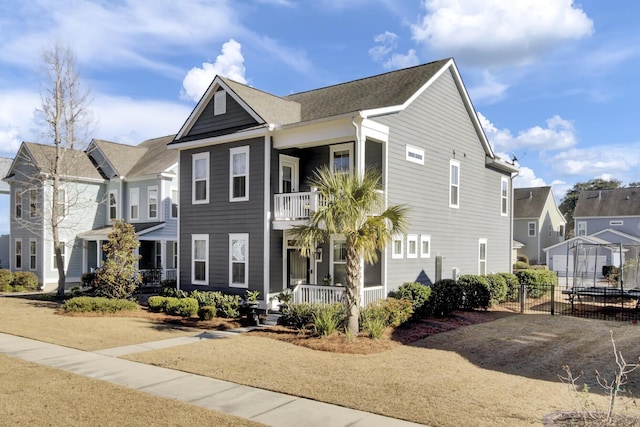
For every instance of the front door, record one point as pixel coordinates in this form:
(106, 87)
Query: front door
(298, 268)
(288, 174)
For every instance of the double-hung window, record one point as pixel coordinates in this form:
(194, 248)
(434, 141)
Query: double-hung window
(134, 203)
(200, 259)
(582, 228)
(504, 196)
(454, 184)
(33, 253)
(239, 174)
(482, 257)
(33, 203)
(238, 260)
(531, 229)
(342, 158)
(113, 205)
(152, 202)
(18, 254)
(18, 201)
(200, 184)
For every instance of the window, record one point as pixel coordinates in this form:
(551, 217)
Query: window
(158, 255)
(174, 203)
(482, 257)
(582, 228)
(616, 222)
(219, 103)
(550, 230)
(396, 249)
(199, 259)
(113, 205)
(18, 254)
(561, 230)
(175, 255)
(134, 203)
(454, 184)
(339, 261)
(415, 155)
(238, 262)
(341, 158)
(239, 174)
(504, 196)
(18, 200)
(152, 202)
(62, 253)
(531, 227)
(412, 246)
(200, 185)
(33, 203)
(425, 246)
(63, 204)
(33, 250)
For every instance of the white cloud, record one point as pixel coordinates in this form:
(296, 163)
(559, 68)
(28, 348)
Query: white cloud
(527, 178)
(490, 32)
(398, 60)
(558, 134)
(387, 42)
(490, 91)
(599, 161)
(17, 108)
(230, 63)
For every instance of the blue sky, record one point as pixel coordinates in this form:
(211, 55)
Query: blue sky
(554, 81)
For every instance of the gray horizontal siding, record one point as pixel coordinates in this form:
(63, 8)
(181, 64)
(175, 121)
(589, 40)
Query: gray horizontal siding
(236, 116)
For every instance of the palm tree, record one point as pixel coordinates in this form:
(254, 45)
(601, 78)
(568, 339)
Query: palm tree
(351, 210)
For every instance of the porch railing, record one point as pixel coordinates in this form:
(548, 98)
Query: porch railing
(155, 276)
(294, 206)
(313, 294)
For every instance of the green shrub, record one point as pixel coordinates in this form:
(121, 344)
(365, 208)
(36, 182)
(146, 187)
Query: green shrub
(227, 306)
(536, 282)
(373, 321)
(446, 297)
(523, 258)
(497, 288)
(519, 265)
(169, 283)
(25, 281)
(6, 278)
(98, 304)
(173, 292)
(512, 286)
(476, 292)
(88, 280)
(416, 293)
(157, 303)
(205, 298)
(207, 312)
(185, 307)
(299, 316)
(327, 318)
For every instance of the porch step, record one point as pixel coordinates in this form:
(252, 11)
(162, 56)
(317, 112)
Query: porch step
(271, 319)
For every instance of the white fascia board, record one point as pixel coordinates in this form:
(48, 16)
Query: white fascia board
(222, 139)
(314, 133)
(375, 130)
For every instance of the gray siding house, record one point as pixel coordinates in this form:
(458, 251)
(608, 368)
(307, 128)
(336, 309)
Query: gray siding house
(537, 222)
(107, 181)
(246, 157)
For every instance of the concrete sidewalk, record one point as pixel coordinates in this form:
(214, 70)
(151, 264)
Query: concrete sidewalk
(275, 409)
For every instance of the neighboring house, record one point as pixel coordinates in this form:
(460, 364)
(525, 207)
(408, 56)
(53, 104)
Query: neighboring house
(537, 222)
(246, 158)
(5, 164)
(107, 181)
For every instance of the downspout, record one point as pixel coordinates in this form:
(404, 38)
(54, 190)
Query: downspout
(511, 219)
(359, 168)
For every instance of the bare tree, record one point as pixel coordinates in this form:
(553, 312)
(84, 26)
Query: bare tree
(67, 120)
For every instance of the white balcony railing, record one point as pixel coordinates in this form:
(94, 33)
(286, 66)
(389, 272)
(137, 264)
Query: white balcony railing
(296, 206)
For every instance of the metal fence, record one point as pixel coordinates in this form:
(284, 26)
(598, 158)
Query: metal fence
(588, 302)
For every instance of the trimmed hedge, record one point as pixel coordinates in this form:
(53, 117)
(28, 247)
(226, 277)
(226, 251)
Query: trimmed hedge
(207, 312)
(98, 304)
(157, 303)
(497, 288)
(6, 278)
(417, 294)
(512, 286)
(476, 292)
(184, 307)
(446, 297)
(24, 281)
(536, 281)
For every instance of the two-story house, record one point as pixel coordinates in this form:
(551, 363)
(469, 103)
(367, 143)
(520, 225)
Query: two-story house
(107, 181)
(537, 222)
(246, 157)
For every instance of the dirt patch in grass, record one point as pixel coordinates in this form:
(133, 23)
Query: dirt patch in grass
(32, 394)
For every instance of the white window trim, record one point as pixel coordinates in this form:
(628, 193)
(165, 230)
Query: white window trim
(341, 147)
(194, 238)
(16, 253)
(394, 254)
(486, 255)
(578, 224)
(245, 237)
(175, 201)
(64, 256)
(194, 158)
(18, 203)
(134, 194)
(232, 152)
(414, 155)
(452, 185)
(535, 229)
(332, 261)
(219, 103)
(113, 193)
(33, 243)
(412, 238)
(150, 189)
(504, 196)
(425, 238)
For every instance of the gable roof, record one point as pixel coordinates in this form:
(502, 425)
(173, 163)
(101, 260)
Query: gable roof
(608, 203)
(529, 202)
(121, 157)
(43, 156)
(156, 158)
(583, 239)
(5, 166)
(616, 236)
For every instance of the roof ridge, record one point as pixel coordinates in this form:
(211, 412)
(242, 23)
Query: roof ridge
(227, 79)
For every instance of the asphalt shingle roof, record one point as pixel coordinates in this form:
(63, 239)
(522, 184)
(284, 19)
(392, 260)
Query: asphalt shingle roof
(76, 162)
(122, 157)
(608, 203)
(156, 158)
(529, 202)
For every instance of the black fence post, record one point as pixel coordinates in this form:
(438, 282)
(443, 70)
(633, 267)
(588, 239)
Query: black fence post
(523, 297)
(553, 300)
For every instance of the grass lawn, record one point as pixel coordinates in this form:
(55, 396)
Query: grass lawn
(503, 372)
